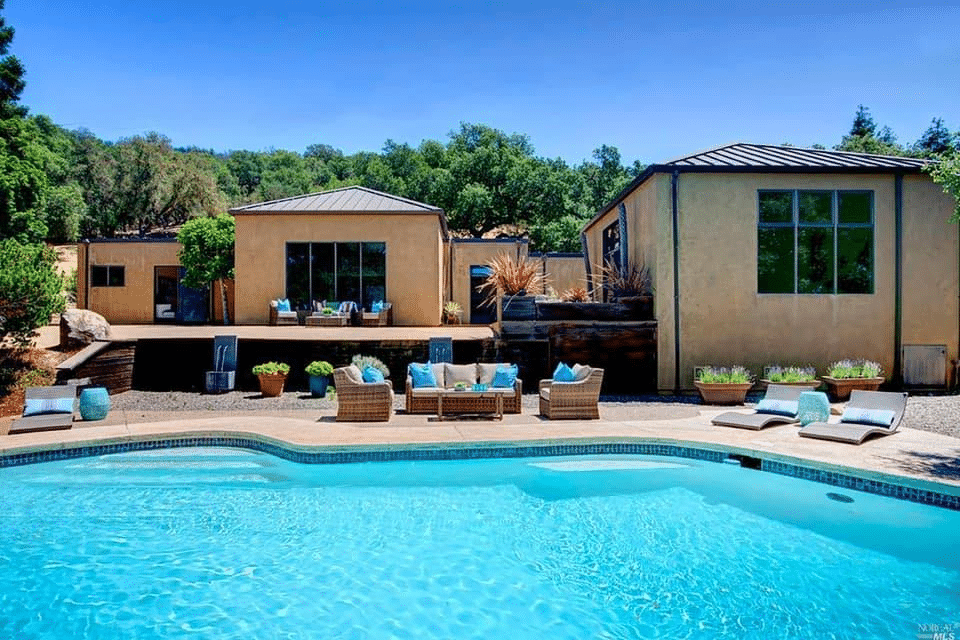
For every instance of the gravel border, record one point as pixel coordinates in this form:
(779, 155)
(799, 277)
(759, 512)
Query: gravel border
(937, 414)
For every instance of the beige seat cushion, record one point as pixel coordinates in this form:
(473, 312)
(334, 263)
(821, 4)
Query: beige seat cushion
(486, 371)
(455, 373)
(353, 373)
(581, 372)
(426, 391)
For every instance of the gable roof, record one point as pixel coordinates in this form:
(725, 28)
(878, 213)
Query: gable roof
(343, 200)
(742, 157)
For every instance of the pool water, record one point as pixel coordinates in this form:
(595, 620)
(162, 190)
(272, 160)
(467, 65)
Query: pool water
(223, 543)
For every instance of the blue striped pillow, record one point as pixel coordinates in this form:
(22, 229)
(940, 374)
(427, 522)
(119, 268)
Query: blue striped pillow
(40, 406)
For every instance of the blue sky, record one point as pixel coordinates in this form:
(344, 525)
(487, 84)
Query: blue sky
(653, 79)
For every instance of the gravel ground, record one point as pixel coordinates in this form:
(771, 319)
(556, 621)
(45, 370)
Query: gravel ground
(939, 414)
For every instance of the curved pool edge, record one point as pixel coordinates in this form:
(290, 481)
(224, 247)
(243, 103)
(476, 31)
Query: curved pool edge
(901, 487)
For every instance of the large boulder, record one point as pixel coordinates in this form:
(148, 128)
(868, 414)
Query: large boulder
(81, 327)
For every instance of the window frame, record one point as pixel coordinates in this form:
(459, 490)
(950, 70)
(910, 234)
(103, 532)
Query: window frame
(335, 253)
(109, 271)
(834, 225)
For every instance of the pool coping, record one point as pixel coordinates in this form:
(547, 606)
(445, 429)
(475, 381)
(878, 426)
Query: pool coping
(901, 487)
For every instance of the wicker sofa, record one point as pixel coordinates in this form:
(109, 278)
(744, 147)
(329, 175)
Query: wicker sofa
(575, 400)
(359, 401)
(424, 399)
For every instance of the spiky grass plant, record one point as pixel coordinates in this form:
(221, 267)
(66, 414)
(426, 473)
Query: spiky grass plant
(855, 369)
(724, 375)
(777, 373)
(510, 275)
(575, 294)
(625, 280)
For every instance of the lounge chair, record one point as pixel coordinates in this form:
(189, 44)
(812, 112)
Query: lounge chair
(278, 317)
(780, 408)
(867, 413)
(47, 409)
(576, 400)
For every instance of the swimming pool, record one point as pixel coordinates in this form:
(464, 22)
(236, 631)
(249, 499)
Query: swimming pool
(226, 543)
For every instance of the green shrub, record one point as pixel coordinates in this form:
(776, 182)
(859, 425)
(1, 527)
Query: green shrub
(31, 289)
(319, 368)
(270, 368)
(362, 362)
(724, 375)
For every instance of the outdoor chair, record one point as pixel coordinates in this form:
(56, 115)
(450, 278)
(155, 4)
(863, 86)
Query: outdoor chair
(575, 400)
(867, 413)
(47, 409)
(359, 401)
(278, 317)
(380, 318)
(779, 406)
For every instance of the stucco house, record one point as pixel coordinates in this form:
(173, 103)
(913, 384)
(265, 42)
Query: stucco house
(352, 243)
(764, 254)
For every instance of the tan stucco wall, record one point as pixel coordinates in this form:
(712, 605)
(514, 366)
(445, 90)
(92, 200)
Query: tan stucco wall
(930, 269)
(724, 320)
(415, 261)
(133, 302)
(465, 254)
(564, 272)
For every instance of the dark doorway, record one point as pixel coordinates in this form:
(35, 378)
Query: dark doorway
(480, 314)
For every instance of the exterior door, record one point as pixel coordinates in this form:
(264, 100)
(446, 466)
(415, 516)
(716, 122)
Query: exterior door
(480, 314)
(192, 304)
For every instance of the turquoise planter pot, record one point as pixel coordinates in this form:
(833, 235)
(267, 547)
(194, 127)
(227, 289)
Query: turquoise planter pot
(318, 386)
(94, 403)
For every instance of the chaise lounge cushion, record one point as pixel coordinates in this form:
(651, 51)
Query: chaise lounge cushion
(878, 417)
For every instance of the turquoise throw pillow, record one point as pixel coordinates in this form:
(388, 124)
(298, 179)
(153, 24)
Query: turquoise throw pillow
(563, 373)
(878, 417)
(422, 375)
(778, 407)
(372, 374)
(283, 304)
(505, 376)
(40, 406)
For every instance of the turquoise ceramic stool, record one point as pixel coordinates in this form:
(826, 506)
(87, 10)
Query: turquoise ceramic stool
(813, 406)
(94, 403)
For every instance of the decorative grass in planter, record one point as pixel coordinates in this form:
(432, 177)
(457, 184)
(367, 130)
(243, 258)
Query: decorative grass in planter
(721, 385)
(849, 375)
(272, 376)
(805, 377)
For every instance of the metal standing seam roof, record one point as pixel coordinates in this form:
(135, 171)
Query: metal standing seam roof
(344, 200)
(741, 157)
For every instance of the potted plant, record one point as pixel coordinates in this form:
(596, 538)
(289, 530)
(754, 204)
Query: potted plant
(722, 385)
(846, 375)
(452, 313)
(513, 278)
(805, 377)
(272, 376)
(319, 372)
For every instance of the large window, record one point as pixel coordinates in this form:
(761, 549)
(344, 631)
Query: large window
(336, 271)
(815, 242)
(107, 275)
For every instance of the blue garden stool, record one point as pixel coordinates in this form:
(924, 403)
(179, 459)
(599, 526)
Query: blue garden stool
(813, 406)
(94, 403)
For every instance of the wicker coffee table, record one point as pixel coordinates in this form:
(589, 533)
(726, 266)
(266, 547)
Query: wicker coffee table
(326, 321)
(453, 402)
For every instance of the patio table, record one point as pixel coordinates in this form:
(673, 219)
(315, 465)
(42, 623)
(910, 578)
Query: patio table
(451, 401)
(326, 321)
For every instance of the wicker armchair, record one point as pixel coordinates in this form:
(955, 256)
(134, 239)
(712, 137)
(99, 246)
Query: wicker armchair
(281, 317)
(359, 401)
(571, 400)
(382, 318)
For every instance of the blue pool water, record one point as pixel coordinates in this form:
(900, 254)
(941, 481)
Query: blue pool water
(222, 543)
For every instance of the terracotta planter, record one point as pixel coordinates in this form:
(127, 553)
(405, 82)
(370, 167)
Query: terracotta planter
(271, 384)
(809, 386)
(723, 392)
(840, 388)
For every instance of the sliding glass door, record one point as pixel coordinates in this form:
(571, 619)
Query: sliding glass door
(336, 271)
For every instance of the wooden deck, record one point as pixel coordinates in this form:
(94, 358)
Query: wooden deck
(137, 332)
